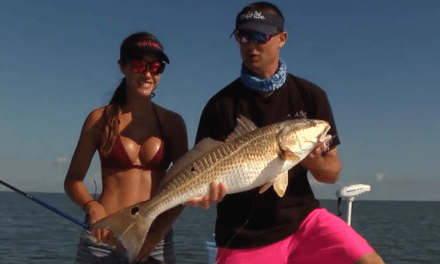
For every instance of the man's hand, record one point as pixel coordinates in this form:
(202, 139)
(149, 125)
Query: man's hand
(217, 192)
(324, 166)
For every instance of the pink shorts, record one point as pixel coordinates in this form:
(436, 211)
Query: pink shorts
(321, 238)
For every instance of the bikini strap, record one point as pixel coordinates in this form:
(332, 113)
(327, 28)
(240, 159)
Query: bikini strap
(161, 130)
(159, 123)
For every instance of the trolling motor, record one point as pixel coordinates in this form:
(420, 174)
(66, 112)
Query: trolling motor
(349, 193)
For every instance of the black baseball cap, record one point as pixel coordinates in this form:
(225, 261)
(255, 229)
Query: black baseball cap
(137, 45)
(254, 20)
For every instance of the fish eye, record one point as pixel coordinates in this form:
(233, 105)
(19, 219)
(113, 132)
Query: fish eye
(134, 210)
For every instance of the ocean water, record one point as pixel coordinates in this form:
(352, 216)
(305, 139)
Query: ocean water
(400, 231)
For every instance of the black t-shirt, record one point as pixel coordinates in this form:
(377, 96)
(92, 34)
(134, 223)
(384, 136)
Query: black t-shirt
(250, 219)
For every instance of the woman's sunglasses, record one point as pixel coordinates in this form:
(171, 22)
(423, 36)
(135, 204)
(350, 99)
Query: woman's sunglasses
(140, 66)
(256, 37)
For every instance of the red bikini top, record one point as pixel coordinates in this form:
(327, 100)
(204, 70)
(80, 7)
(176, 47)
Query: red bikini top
(118, 158)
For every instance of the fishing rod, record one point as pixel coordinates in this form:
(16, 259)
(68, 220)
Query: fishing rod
(48, 206)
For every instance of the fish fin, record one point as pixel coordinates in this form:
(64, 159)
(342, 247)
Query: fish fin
(288, 155)
(280, 185)
(199, 150)
(244, 126)
(265, 187)
(206, 145)
(129, 227)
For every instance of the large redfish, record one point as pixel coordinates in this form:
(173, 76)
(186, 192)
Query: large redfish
(251, 157)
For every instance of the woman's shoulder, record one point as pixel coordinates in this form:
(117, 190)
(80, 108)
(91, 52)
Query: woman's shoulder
(173, 127)
(95, 117)
(168, 115)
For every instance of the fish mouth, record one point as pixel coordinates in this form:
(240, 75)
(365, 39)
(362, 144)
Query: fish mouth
(324, 133)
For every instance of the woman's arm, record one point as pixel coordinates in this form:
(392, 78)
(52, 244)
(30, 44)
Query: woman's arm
(82, 157)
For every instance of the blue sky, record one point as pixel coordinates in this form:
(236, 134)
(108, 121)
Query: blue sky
(377, 60)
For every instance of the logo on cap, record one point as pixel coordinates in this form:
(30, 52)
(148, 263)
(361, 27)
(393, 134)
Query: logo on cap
(149, 43)
(254, 14)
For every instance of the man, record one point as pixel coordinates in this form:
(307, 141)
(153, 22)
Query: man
(263, 228)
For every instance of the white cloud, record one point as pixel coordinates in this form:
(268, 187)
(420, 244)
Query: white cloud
(62, 160)
(379, 176)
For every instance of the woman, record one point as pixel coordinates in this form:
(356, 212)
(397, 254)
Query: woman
(136, 140)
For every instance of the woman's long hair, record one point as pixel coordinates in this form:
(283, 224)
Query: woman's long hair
(111, 118)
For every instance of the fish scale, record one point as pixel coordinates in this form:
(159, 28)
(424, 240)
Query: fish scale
(250, 157)
(226, 158)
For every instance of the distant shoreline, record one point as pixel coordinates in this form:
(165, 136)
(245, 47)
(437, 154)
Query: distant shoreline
(360, 199)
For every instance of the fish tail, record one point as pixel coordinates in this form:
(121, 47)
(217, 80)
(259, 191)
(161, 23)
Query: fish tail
(129, 228)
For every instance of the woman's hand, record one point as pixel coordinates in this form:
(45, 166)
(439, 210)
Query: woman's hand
(95, 212)
(217, 192)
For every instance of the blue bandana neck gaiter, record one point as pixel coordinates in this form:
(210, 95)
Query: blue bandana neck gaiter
(264, 85)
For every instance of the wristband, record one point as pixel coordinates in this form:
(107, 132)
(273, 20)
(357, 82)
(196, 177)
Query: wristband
(84, 206)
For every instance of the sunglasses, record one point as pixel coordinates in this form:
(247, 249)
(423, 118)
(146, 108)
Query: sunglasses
(140, 66)
(256, 37)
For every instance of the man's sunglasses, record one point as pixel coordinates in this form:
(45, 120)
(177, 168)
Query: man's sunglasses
(256, 37)
(140, 66)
